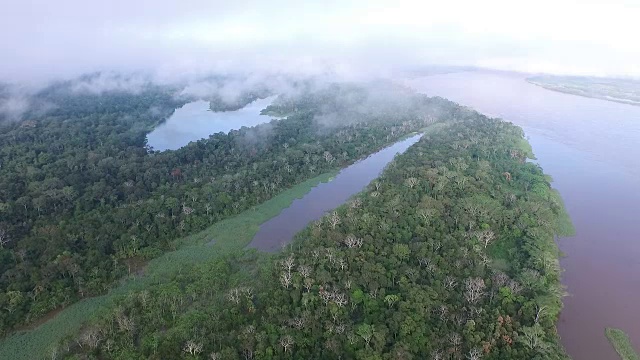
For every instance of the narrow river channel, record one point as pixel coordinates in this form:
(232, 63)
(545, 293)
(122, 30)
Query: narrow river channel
(591, 149)
(279, 230)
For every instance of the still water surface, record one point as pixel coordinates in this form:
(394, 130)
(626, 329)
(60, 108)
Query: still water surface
(194, 121)
(279, 230)
(591, 149)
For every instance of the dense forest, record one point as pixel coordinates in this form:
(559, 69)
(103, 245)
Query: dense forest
(450, 254)
(84, 201)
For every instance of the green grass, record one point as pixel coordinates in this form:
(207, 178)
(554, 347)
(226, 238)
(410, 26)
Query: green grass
(622, 344)
(230, 235)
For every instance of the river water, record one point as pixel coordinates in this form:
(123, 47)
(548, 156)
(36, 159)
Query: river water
(279, 230)
(195, 121)
(591, 149)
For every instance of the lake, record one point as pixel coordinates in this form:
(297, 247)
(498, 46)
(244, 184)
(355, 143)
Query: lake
(591, 149)
(195, 121)
(280, 230)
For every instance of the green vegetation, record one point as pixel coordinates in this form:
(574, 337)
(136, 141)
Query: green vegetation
(230, 235)
(622, 344)
(449, 254)
(626, 91)
(84, 202)
(217, 103)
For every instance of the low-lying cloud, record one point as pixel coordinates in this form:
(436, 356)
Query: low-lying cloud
(174, 40)
(13, 106)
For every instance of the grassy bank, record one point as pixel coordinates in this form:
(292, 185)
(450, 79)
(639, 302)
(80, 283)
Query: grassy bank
(228, 235)
(622, 344)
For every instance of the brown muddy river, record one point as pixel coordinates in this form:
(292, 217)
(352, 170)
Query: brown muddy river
(591, 149)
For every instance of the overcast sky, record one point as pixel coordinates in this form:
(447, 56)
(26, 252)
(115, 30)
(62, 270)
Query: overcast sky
(47, 39)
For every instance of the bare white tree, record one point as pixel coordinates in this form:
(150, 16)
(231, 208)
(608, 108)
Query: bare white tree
(234, 295)
(485, 237)
(340, 299)
(455, 339)
(540, 310)
(437, 355)
(90, 337)
(308, 284)
(514, 286)
(411, 182)
(193, 348)
(475, 311)
(330, 255)
(342, 264)
(328, 157)
(247, 292)
(304, 270)
(285, 279)
(187, 210)
(500, 279)
(352, 241)
(347, 284)
(124, 322)
(474, 354)
(355, 204)
(484, 259)
(443, 311)
(297, 323)
(450, 282)
(288, 264)
(4, 238)
(474, 289)
(334, 219)
(286, 342)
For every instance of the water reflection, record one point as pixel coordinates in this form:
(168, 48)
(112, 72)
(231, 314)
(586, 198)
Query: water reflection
(194, 121)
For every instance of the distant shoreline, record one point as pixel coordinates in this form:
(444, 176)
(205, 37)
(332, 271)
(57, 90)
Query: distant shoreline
(577, 93)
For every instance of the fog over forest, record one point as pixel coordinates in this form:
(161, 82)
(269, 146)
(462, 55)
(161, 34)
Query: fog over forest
(131, 45)
(176, 40)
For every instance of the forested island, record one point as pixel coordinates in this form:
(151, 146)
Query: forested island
(622, 90)
(449, 254)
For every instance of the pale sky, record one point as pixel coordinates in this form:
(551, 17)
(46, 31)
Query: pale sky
(52, 39)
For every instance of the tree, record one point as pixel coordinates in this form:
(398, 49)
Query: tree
(286, 279)
(366, 332)
(334, 219)
(391, 300)
(474, 354)
(485, 237)
(286, 342)
(474, 289)
(4, 238)
(411, 182)
(193, 348)
(540, 310)
(533, 337)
